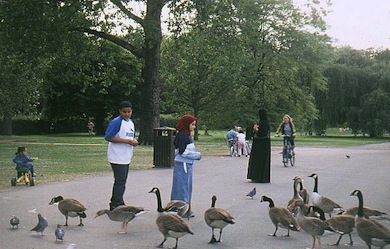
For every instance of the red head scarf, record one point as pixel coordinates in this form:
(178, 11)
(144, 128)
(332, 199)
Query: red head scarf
(184, 123)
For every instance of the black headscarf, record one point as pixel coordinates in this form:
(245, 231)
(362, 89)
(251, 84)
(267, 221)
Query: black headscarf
(263, 114)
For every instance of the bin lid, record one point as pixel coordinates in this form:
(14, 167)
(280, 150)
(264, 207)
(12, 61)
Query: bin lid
(164, 128)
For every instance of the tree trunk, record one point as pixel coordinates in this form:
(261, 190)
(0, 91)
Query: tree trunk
(150, 102)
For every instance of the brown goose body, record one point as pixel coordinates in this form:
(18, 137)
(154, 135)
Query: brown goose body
(296, 196)
(367, 212)
(371, 232)
(217, 218)
(280, 217)
(172, 225)
(70, 208)
(123, 214)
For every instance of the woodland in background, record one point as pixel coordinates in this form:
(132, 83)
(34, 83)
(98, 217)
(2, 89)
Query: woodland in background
(218, 60)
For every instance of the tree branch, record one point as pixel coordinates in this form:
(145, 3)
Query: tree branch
(114, 39)
(130, 14)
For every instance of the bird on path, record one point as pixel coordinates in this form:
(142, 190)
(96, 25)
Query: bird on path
(122, 213)
(42, 224)
(347, 156)
(70, 208)
(59, 233)
(14, 222)
(252, 193)
(172, 225)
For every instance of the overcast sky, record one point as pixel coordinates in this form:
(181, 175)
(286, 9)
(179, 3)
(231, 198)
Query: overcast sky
(360, 24)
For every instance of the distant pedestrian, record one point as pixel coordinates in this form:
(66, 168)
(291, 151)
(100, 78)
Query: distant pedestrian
(91, 127)
(259, 168)
(120, 134)
(241, 144)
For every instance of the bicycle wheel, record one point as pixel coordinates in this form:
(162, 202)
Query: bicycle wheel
(285, 156)
(232, 151)
(292, 158)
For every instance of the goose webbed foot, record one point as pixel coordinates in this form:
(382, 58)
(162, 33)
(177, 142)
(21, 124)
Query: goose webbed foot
(213, 240)
(272, 234)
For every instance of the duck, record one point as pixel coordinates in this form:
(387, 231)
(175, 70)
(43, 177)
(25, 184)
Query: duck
(303, 193)
(311, 225)
(325, 203)
(296, 196)
(122, 213)
(172, 225)
(341, 224)
(217, 218)
(175, 206)
(371, 232)
(280, 216)
(70, 208)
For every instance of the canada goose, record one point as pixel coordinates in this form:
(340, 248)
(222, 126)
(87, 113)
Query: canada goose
(70, 208)
(326, 204)
(370, 231)
(122, 214)
(172, 225)
(311, 225)
(217, 218)
(367, 212)
(296, 196)
(280, 216)
(341, 224)
(176, 206)
(303, 193)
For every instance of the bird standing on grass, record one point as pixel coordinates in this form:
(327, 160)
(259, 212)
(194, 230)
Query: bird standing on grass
(42, 224)
(252, 193)
(14, 222)
(59, 233)
(70, 208)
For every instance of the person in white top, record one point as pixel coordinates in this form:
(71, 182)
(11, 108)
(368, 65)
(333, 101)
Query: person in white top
(241, 144)
(120, 134)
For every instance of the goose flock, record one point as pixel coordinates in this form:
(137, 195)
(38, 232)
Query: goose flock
(304, 212)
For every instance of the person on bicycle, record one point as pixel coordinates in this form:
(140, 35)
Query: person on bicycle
(288, 129)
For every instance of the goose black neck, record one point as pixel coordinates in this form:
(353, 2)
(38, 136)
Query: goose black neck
(159, 204)
(300, 186)
(315, 184)
(360, 208)
(213, 200)
(270, 201)
(295, 185)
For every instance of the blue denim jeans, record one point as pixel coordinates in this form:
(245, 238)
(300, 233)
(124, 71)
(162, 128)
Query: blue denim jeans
(118, 190)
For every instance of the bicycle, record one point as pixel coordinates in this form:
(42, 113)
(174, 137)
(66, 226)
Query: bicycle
(232, 144)
(288, 154)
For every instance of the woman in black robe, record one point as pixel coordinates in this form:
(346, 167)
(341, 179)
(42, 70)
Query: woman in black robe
(259, 168)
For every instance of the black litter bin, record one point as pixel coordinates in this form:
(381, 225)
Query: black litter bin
(163, 149)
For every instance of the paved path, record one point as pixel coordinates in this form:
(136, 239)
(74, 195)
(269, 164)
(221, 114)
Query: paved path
(368, 169)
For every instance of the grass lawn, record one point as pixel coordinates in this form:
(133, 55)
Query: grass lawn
(65, 157)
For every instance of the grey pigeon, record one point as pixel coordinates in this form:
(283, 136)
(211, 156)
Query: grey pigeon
(14, 222)
(59, 233)
(42, 224)
(252, 193)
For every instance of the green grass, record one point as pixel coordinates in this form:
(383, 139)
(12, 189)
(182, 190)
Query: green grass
(68, 156)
